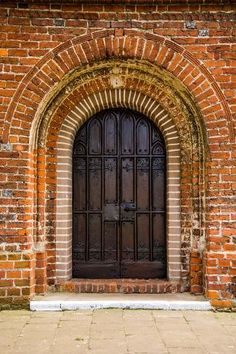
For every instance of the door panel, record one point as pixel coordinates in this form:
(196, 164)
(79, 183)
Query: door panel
(119, 197)
(95, 141)
(95, 183)
(143, 184)
(158, 183)
(159, 242)
(142, 240)
(110, 182)
(127, 134)
(111, 241)
(110, 134)
(127, 241)
(127, 180)
(143, 140)
(79, 237)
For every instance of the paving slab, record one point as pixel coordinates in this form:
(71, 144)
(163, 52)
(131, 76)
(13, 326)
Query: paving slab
(117, 332)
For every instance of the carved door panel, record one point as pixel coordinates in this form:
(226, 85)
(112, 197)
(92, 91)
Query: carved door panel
(119, 197)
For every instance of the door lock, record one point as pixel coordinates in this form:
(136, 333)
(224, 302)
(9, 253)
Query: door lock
(129, 206)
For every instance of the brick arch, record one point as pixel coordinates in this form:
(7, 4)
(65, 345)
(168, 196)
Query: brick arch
(69, 64)
(55, 69)
(143, 83)
(134, 76)
(81, 97)
(60, 128)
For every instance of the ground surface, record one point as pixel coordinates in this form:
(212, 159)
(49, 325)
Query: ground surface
(117, 331)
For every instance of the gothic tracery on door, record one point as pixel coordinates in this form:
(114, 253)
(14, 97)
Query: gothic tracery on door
(119, 197)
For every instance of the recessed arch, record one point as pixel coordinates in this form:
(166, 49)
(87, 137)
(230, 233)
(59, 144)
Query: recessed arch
(149, 87)
(64, 192)
(140, 89)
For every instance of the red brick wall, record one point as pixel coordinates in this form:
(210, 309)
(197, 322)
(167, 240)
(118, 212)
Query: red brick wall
(204, 33)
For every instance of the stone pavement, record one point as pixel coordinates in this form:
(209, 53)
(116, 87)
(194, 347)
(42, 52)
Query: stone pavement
(117, 331)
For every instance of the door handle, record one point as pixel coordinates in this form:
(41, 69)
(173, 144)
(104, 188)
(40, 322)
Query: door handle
(129, 206)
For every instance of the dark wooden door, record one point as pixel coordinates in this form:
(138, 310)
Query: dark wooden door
(119, 197)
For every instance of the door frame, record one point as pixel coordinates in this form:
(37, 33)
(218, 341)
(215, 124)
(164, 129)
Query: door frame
(73, 121)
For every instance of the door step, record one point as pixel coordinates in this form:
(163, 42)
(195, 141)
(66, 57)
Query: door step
(68, 301)
(124, 286)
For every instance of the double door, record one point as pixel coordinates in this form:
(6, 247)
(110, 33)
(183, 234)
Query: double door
(119, 197)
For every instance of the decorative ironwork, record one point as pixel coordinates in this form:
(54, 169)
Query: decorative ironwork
(79, 149)
(143, 164)
(80, 165)
(95, 164)
(110, 164)
(128, 166)
(158, 149)
(158, 166)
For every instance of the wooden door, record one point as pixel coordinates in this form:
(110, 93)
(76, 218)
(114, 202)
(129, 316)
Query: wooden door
(119, 197)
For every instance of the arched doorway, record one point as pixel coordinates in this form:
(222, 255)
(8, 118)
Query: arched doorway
(119, 193)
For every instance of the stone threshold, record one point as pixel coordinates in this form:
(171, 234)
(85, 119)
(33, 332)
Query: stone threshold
(68, 301)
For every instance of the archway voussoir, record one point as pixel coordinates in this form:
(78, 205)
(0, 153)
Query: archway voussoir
(65, 57)
(185, 72)
(169, 55)
(109, 42)
(188, 79)
(175, 47)
(162, 55)
(43, 76)
(89, 55)
(103, 33)
(140, 48)
(56, 69)
(101, 47)
(147, 49)
(154, 37)
(95, 50)
(81, 39)
(61, 47)
(180, 68)
(27, 102)
(154, 53)
(174, 62)
(77, 57)
(121, 47)
(62, 64)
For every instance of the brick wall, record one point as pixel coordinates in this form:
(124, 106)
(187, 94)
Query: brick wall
(52, 57)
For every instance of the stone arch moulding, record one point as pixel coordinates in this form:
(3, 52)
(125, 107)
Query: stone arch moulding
(139, 86)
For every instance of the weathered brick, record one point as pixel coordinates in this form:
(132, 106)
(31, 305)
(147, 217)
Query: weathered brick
(43, 45)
